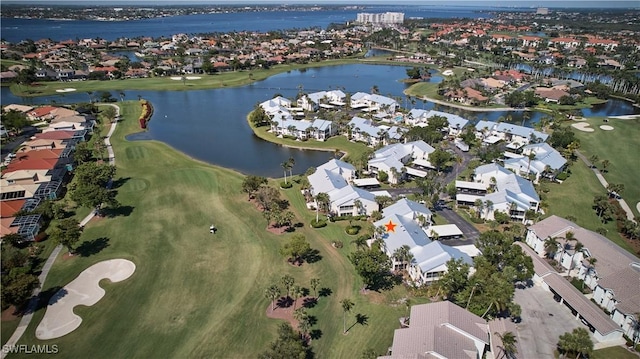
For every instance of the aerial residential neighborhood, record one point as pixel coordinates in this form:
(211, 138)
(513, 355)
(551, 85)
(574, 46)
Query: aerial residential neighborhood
(280, 181)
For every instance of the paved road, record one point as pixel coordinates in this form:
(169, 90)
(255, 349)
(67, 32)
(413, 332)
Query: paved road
(543, 321)
(33, 302)
(470, 232)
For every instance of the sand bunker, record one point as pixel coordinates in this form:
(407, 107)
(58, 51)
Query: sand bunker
(193, 77)
(638, 206)
(59, 318)
(606, 127)
(177, 78)
(582, 126)
(69, 89)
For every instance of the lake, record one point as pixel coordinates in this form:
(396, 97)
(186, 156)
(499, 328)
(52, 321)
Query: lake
(211, 125)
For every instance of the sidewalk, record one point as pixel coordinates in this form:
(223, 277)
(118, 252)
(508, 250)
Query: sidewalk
(33, 302)
(605, 184)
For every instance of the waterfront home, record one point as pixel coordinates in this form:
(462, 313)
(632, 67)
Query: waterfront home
(455, 123)
(321, 130)
(322, 99)
(363, 130)
(551, 94)
(276, 105)
(467, 96)
(395, 160)
(515, 136)
(440, 330)
(612, 273)
(373, 103)
(495, 188)
(544, 161)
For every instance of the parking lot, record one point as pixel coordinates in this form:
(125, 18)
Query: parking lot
(543, 321)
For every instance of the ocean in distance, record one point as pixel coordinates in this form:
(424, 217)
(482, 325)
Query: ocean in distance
(15, 30)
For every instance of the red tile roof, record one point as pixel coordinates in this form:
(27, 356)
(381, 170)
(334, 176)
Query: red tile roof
(42, 111)
(42, 154)
(55, 135)
(9, 208)
(32, 164)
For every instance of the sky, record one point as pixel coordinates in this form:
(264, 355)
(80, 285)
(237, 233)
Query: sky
(476, 3)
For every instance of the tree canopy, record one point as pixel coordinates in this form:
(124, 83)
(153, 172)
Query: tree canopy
(288, 345)
(296, 249)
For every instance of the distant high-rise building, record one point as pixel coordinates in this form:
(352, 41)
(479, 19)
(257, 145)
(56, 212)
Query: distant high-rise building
(542, 11)
(381, 18)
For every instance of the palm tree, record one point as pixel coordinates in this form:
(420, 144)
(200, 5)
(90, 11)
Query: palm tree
(568, 237)
(322, 200)
(605, 164)
(550, 246)
(286, 166)
(576, 248)
(489, 207)
(297, 293)
(315, 282)
(357, 204)
(347, 305)
(360, 242)
(479, 204)
(272, 293)
(403, 255)
(287, 281)
(300, 314)
(593, 159)
(292, 162)
(508, 344)
(531, 156)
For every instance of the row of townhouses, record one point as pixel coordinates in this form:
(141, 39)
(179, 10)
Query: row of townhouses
(39, 170)
(612, 274)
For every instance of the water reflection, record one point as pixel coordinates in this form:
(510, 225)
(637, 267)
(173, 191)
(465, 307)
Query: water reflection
(211, 125)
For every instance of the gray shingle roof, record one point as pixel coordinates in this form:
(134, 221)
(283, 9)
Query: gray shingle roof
(625, 285)
(440, 329)
(611, 258)
(587, 309)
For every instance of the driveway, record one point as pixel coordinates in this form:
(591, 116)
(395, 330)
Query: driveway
(543, 321)
(470, 232)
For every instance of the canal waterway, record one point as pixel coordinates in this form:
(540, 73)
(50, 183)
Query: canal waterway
(211, 125)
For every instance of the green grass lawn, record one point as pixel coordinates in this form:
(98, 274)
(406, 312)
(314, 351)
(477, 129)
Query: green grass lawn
(195, 294)
(620, 147)
(574, 197)
(421, 89)
(353, 149)
(613, 352)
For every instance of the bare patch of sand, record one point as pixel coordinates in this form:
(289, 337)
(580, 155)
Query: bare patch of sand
(582, 126)
(59, 319)
(606, 127)
(68, 89)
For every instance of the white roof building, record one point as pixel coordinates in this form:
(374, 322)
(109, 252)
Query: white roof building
(398, 155)
(511, 194)
(333, 179)
(408, 223)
